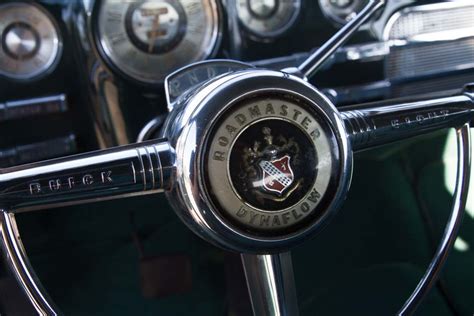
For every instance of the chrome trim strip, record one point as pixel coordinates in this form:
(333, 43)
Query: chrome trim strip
(367, 52)
(142, 168)
(452, 227)
(17, 109)
(271, 284)
(190, 77)
(159, 167)
(20, 266)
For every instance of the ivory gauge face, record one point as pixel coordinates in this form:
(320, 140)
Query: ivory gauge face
(147, 40)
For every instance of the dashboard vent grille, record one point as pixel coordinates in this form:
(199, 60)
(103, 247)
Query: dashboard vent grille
(422, 59)
(428, 42)
(436, 84)
(438, 18)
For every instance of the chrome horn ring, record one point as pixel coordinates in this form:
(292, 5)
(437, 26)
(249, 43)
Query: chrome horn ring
(216, 129)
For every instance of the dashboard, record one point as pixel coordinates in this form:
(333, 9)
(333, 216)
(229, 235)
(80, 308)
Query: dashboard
(146, 40)
(80, 75)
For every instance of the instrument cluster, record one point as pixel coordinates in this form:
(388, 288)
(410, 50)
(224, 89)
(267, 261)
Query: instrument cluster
(145, 40)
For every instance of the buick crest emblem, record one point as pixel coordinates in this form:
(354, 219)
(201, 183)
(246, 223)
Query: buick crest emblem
(268, 165)
(277, 174)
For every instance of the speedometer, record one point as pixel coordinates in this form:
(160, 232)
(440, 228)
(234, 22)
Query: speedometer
(146, 40)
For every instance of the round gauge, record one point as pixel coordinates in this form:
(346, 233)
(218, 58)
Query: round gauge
(268, 18)
(147, 40)
(30, 43)
(341, 11)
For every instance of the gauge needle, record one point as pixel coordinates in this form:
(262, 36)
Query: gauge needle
(155, 32)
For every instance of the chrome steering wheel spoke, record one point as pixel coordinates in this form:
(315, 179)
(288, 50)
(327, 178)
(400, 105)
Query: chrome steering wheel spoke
(271, 284)
(255, 161)
(378, 123)
(275, 130)
(114, 173)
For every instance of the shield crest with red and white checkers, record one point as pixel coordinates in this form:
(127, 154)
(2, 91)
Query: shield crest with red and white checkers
(277, 174)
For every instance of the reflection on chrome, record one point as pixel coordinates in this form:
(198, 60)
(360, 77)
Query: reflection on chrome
(190, 163)
(449, 160)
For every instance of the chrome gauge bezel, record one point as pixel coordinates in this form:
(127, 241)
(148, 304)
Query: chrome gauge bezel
(111, 65)
(335, 14)
(50, 65)
(263, 36)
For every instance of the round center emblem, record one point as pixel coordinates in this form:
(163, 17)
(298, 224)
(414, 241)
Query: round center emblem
(270, 162)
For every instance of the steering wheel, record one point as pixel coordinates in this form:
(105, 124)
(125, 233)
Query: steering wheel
(254, 161)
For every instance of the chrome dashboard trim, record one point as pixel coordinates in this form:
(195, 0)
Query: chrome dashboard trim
(186, 79)
(16, 109)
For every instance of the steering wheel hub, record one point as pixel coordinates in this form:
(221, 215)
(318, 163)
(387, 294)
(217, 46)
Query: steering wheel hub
(271, 157)
(270, 163)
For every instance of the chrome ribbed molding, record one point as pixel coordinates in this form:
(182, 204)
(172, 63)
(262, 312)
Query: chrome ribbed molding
(374, 124)
(129, 170)
(360, 128)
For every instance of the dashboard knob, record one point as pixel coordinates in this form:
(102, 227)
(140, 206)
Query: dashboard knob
(21, 41)
(30, 41)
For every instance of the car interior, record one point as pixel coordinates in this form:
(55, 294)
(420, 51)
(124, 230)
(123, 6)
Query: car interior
(236, 157)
